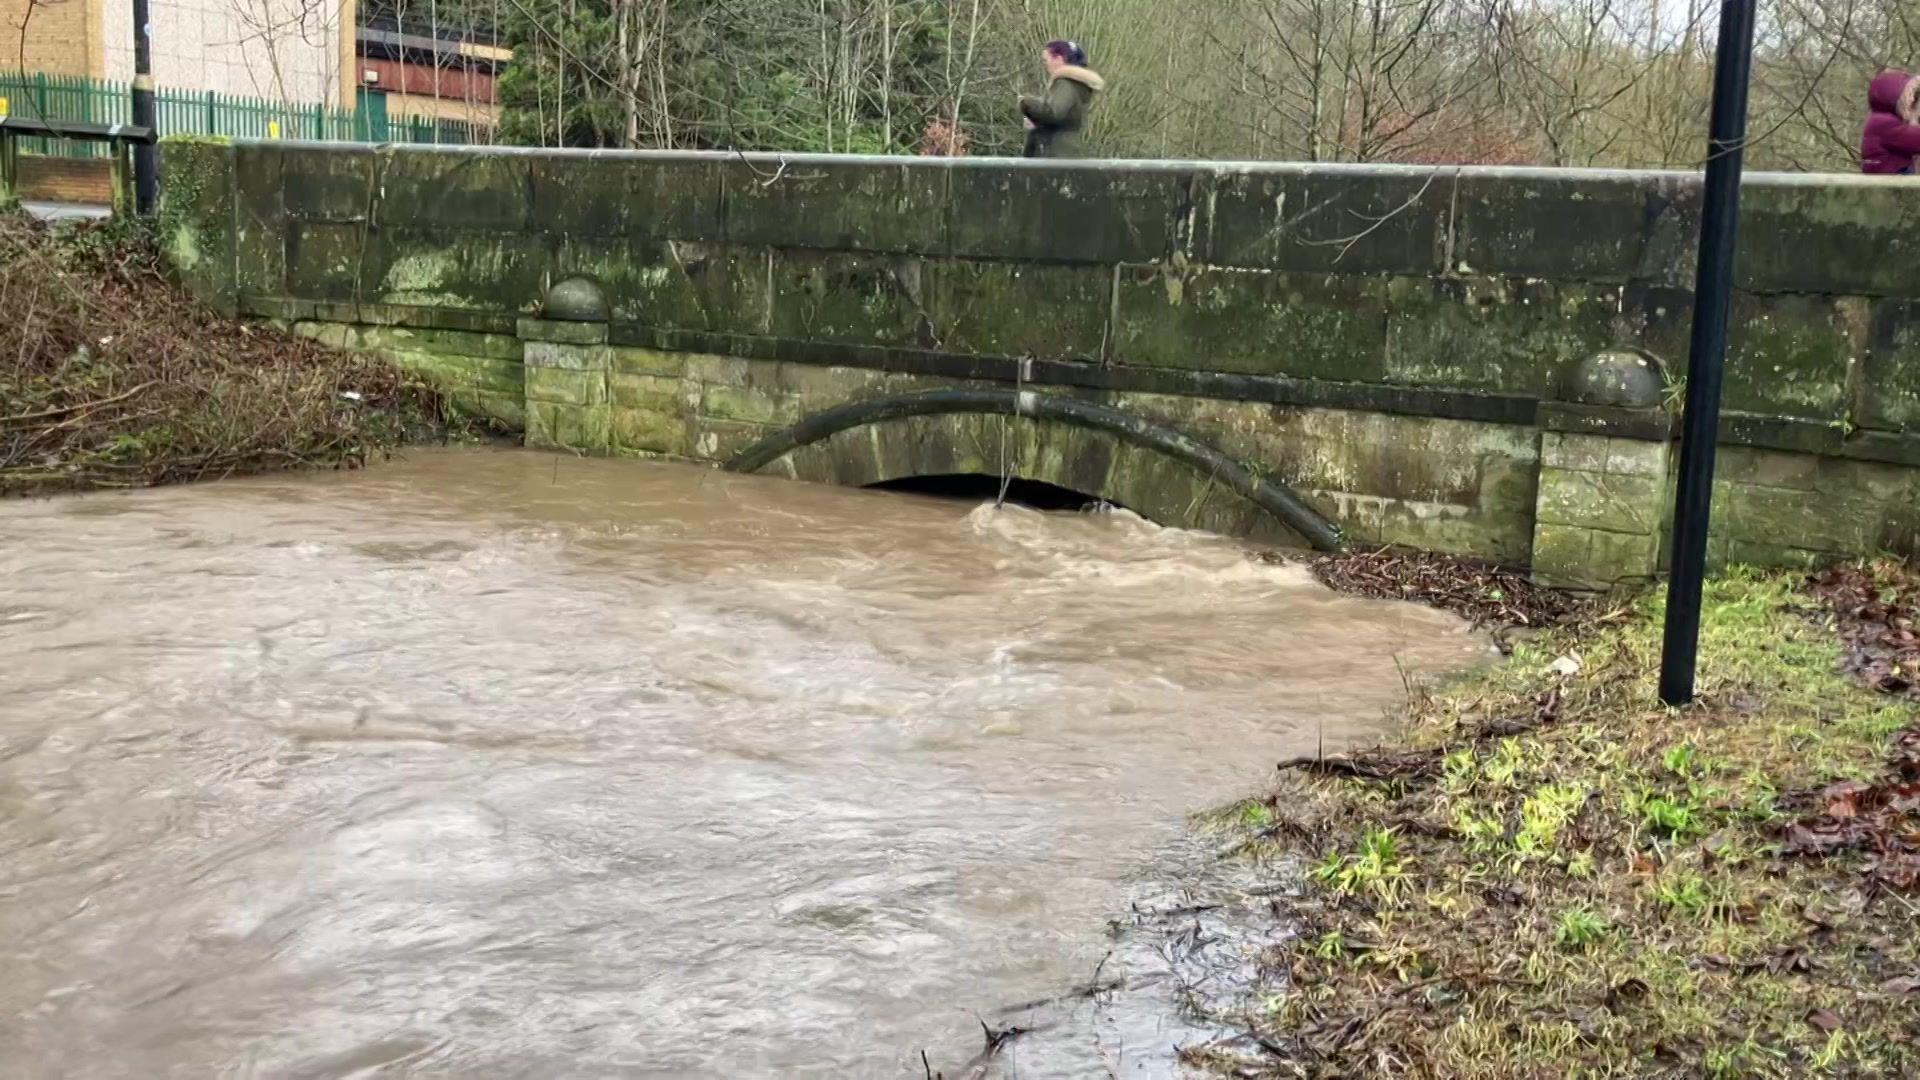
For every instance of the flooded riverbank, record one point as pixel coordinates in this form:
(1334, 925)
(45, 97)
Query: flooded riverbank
(496, 763)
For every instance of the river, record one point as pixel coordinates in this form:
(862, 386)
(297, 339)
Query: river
(494, 763)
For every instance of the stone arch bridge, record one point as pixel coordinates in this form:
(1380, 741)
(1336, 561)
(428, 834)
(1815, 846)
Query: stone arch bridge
(1467, 360)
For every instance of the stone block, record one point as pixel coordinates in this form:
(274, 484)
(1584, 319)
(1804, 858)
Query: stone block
(1811, 520)
(448, 373)
(635, 361)
(1656, 319)
(456, 342)
(368, 313)
(555, 425)
(1638, 457)
(750, 405)
(550, 354)
(323, 181)
(1888, 446)
(565, 387)
(1768, 557)
(559, 332)
(893, 450)
(1329, 219)
(260, 219)
(607, 196)
(331, 334)
(1503, 335)
(854, 457)
(1249, 431)
(430, 188)
(1051, 312)
(197, 218)
(497, 272)
(1767, 468)
(944, 445)
(1620, 558)
(325, 261)
(720, 370)
(1560, 555)
(720, 441)
(653, 393)
(1465, 530)
(1573, 452)
(504, 411)
(1485, 468)
(849, 299)
(1828, 234)
(1787, 356)
(1670, 257)
(1622, 504)
(1298, 325)
(651, 431)
(279, 310)
(1890, 395)
(824, 387)
(896, 206)
(1571, 226)
(1086, 461)
(1577, 558)
(1795, 356)
(1155, 486)
(1079, 212)
(675, 285)
(1867, 481)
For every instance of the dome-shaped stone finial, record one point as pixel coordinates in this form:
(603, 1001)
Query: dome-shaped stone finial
(1621, 378)
(576, 299)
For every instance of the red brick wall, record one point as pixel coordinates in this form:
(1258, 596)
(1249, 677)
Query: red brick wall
(453, 83)
(68, 180)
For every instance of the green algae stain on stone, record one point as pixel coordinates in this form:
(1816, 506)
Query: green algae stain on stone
(1298, 325)
(419, 273)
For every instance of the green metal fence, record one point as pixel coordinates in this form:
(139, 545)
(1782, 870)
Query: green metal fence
(190, 112)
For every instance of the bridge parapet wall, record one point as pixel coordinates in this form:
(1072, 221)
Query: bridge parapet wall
(1400, 345)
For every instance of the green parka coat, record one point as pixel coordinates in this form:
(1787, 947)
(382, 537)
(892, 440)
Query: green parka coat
(1059, 116)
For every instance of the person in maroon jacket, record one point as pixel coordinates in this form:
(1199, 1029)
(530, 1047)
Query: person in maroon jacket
(1891, 140)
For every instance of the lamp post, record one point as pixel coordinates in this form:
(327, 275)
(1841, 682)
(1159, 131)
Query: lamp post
(1693, 504)
(145, 179)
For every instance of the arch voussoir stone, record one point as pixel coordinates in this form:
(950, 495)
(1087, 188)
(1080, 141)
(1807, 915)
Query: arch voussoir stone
(1154, 470)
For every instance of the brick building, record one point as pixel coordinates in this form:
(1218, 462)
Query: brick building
(413, 67)
(294, 52)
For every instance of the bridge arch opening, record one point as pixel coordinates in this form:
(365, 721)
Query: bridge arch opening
(1068, 443)
(981, 487)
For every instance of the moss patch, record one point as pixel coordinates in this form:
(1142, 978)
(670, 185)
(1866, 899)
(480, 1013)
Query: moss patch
(1556, 876)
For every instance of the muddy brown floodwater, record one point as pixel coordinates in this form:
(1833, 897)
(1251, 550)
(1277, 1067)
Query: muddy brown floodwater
(490, 763)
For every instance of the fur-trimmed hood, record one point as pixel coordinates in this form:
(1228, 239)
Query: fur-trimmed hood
(1890, 91)
(1084, 76)
(1890, 141)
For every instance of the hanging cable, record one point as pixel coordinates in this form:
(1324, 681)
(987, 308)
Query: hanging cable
(1021, 375)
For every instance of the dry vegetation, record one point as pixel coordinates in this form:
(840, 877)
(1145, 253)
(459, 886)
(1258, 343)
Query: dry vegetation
(1556, 876)
(112, 377)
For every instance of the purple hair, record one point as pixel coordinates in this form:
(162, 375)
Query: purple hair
(1068, 52)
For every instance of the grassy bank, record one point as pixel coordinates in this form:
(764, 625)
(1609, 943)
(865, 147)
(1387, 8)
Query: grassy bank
(110, 376)
(1553, 875)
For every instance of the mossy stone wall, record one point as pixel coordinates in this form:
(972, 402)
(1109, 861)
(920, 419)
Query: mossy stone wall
(1394, 343)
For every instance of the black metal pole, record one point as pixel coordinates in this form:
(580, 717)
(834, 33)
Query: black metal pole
(146, 181)
(1700, 431)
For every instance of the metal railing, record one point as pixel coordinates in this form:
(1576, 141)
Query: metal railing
(117, 139)
(69, 98)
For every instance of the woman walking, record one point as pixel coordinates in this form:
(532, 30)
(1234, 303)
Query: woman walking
(1055, 120)
(1891, 140)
